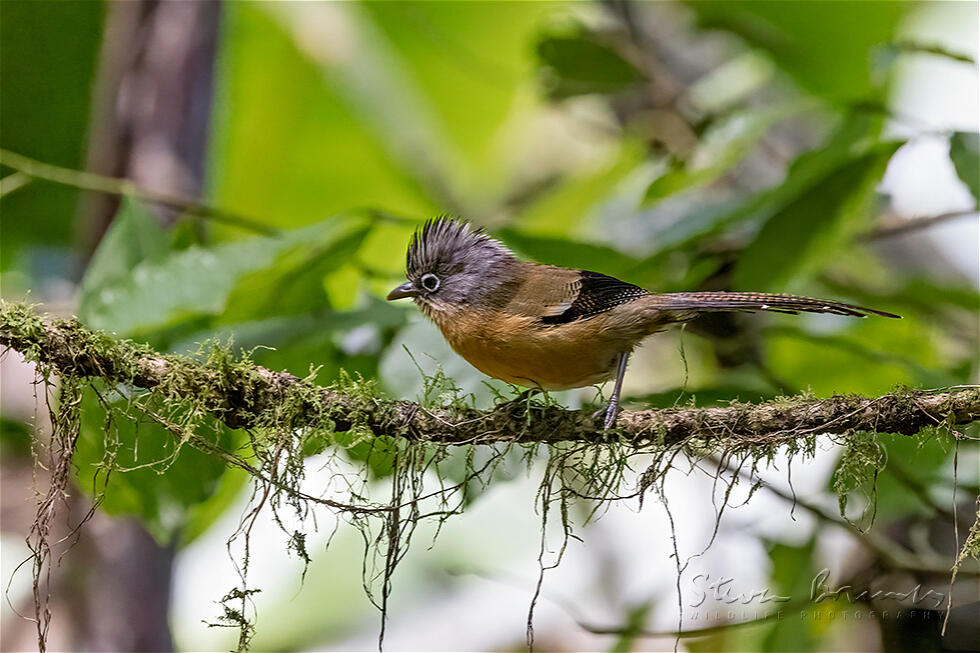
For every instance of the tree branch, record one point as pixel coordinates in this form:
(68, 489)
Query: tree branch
(242, 394)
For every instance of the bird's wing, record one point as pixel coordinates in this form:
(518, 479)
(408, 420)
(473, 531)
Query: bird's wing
(560, 295)
(543, 290)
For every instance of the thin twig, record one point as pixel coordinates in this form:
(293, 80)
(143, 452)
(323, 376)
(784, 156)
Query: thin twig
(13, 182)
(895, 226)
(769, 617)
(85, 180)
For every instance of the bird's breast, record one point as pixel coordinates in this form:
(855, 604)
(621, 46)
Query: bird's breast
(520, 350)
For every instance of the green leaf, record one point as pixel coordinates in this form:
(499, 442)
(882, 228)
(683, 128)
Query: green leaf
(316, 148)
(852, 138)
(819, 222)
(693, 227)
(828, 48)
(871, 357)
(964, 150)
(636, 620)
(200, 516)
(564, 209)
(199, 281)
(187, 231)
(792, 575)
(191, 282)
(133, 237)
(470, 71)
(581, 64)
(377, 453)
(292, 283)
(295, 343)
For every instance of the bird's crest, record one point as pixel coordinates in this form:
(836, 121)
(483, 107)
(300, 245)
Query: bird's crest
(446, 243)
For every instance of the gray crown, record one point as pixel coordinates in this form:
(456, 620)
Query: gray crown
(446, 246)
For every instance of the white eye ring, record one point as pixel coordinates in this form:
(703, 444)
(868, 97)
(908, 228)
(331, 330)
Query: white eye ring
(430, 282)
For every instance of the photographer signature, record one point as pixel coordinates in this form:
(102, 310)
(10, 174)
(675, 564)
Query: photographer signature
(723, 590)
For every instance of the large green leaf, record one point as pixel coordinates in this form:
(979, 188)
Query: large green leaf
(319, 339)
(133, 237)
(468, 66)
(310, 151)
(818, 223)
(199, 281)
(828, 47)
(293, 282)
(964, 150)
(192, 282)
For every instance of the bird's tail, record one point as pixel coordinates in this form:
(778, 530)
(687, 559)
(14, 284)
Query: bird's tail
(688, 304)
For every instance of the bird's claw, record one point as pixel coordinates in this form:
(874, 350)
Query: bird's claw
(610, 413)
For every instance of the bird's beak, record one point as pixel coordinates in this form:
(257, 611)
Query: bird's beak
(407, 289)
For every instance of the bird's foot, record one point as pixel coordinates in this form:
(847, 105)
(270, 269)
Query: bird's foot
(610, 412)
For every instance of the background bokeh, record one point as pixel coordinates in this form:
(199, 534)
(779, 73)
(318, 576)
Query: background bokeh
(280, 155)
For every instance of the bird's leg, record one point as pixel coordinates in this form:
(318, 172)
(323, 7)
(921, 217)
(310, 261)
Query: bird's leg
(520, 402)
(527, 394)
(612, 409)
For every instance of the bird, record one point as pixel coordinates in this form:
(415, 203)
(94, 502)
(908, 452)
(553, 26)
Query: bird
(545, 327)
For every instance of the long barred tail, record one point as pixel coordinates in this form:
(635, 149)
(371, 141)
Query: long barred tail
(700, 302)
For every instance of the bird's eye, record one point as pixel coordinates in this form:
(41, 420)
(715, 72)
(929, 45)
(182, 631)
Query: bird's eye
(430, 282)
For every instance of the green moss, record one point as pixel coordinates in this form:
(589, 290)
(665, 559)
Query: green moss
(862, 459)
(971, 547)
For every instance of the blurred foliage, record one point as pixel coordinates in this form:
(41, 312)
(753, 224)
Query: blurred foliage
(579, 63)
(792, 574)
(48, 57)
(344, 125)
(964, 150)
(795, 32)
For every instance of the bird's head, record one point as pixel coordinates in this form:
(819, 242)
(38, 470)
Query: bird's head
(452, 266)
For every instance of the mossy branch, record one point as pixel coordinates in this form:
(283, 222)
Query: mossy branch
(242, 394)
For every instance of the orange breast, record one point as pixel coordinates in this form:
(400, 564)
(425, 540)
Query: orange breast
(518, 350)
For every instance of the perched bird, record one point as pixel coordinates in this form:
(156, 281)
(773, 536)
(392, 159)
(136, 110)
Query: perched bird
(552, 328)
